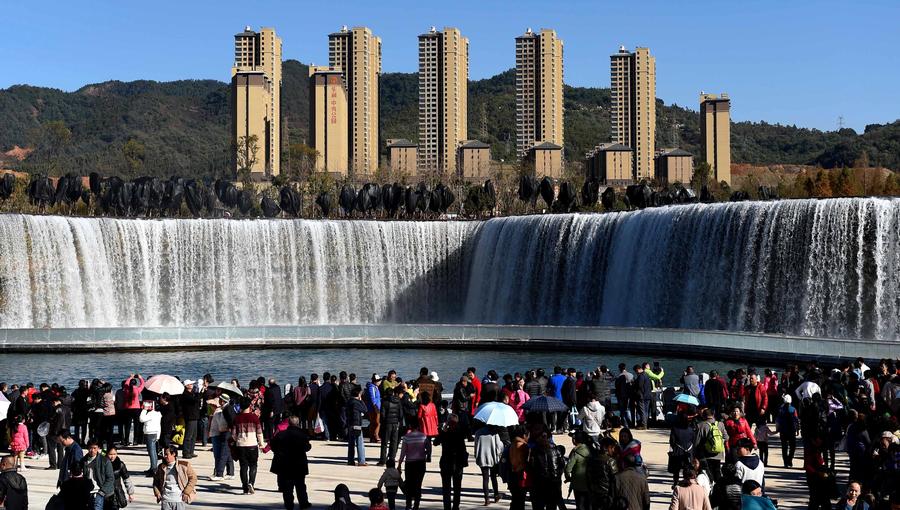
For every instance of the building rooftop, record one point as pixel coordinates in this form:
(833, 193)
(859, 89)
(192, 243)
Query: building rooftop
(674, 152)
(547, 146)
(613, 147)
(401, 142)
(474, 144)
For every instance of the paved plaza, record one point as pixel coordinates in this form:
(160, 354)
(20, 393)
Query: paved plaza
(328, 468)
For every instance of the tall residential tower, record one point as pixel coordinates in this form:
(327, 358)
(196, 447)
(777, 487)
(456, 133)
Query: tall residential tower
(715, 135)
(443, 100)
(256, 98)
(357, 54)
(633, 116)
(539, 90)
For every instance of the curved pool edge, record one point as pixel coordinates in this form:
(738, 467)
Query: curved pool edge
(677, 342)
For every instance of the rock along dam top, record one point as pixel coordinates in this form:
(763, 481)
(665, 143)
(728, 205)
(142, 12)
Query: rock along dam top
(826, 268)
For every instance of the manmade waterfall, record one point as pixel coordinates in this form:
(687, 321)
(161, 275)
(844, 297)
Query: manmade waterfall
(822, 268)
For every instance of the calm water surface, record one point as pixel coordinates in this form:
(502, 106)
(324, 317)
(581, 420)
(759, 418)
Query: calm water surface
(287, 364)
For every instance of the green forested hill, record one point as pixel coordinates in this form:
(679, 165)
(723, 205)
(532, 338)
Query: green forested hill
(182, 126)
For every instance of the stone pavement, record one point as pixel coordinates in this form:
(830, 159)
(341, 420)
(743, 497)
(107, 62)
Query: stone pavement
(328, 468)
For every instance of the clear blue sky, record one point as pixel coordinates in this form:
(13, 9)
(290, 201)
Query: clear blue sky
(803, 63)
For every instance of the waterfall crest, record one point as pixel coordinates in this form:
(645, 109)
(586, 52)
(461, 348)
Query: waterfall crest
(806, 267)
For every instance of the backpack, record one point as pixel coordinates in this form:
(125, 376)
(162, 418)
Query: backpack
(714, 441)
(505, 470)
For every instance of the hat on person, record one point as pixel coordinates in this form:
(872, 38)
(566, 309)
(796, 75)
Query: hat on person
(887, 434)
(224, 397)
(787, 399)
(376, 377)
(188, 381)
(434, 376)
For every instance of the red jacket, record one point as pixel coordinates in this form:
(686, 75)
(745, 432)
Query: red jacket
(132, 394)
(738, 430)
(428, 420)
(477, 399)
(759, 394)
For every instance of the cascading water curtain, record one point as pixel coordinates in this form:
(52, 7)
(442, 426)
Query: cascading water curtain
(806, 267)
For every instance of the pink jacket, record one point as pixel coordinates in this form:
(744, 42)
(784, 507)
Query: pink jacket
(132, 394)
(19, 440)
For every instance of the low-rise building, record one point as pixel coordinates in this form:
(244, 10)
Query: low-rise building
(473, 160)
(611, 164)
(545, 159)
(674, 165)
(402, 156)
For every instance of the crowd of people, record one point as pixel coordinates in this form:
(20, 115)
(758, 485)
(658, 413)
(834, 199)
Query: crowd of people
(719, 431)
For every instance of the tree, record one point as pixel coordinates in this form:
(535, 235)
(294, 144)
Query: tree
(303, 160)
(56, 136)
(133, 151)
(822, 185)
(844, 186)
(247, 153)
(702, 171)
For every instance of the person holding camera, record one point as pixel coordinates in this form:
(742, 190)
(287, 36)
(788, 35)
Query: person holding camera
(131, 407)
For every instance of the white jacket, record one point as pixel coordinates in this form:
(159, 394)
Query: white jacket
(151, 421)
(591, 417)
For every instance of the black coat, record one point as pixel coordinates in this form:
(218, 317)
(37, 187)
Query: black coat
(14, 489)
(354, 412)
(190, 406)
(454, 455)
(643, 387)
(490, 392)
(391, 410)
(274, 401)
(290, 447)
(568, 391)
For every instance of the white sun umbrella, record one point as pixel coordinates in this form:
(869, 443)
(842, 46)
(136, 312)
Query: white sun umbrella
(496, 413)
(227, 387)
(4, 405)
(164, 384)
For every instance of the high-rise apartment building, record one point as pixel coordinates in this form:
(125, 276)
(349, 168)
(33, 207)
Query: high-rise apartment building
(257, 58)
(539, 90)
(715, 135)
(357, 53)
(328, 120)
(443, 100)
(633, 116)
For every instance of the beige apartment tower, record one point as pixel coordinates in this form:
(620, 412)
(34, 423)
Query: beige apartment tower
(633, 116)
(539, 90)
(443, 100)
(715, 135)
(328, 120)
(357, 53)
(258, 55)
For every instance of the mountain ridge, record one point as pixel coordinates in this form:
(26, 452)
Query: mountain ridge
(183, 125)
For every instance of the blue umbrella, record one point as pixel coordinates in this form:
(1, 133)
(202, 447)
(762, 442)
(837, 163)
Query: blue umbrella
(685, 398)
(544, 404)
(497, 413)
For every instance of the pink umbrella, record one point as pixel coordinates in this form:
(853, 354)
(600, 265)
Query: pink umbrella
(164, 384)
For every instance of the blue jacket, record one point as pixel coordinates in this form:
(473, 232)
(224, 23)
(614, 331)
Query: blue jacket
(556, 383)
(73, 456)
(373, 397)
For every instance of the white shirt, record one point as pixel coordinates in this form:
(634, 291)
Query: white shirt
(151, 421)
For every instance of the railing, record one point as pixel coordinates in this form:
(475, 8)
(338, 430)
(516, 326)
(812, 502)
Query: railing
(679, 342)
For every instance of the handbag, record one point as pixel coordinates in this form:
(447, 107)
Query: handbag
(319, 426)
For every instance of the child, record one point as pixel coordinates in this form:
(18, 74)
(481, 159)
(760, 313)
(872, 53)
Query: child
(762, 435)
(18, 443)
(376, 500)
(390, 480)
